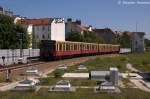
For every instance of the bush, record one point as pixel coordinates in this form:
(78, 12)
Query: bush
(118, 66)
(144, 62)
(44, 81)
(58, 73)
(123, 59)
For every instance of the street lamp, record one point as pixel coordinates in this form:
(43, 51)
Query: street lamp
(8, 71)
(3, 58)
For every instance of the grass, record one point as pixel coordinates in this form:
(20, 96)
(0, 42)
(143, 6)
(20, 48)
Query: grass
(49, 81)
(101, 63)
(83, 82)
(140, 61)
(79, 94)
(2, 79)
(74, 82)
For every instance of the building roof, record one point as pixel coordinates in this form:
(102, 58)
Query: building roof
(63, 82)
(106, 83)
(82, 27)
(42, 21)
(1, 8)
(26, 82)
(139, 33)
(99, 73)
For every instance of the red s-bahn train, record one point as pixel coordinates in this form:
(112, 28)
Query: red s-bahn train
(50, 49)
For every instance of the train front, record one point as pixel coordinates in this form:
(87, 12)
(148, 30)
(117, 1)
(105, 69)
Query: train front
(47, 49)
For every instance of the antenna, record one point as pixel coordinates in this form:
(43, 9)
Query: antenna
(136, 26)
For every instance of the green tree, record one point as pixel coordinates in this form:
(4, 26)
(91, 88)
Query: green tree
(124, 40)
(92, 37)
(85, 37)
(74, 36)
(9, 34)
(147, 42)
(26, 37)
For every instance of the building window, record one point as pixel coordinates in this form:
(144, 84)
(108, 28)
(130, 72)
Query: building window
(48, 28)
(43, 36)
(48, 36)
(43, 28)
(37, 36)
(37, 28)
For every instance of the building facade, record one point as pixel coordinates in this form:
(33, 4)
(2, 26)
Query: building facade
(5, 11)
(44, 29)
(138, 42)
(76, 26)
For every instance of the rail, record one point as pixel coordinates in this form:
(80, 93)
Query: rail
(20, 66)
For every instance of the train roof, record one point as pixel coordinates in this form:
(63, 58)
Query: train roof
(80, 42)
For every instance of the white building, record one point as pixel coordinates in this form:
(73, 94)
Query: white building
(138, 42)
(76, 27)
(44, 29)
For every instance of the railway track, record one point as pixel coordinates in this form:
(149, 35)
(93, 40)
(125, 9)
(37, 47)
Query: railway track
(21, 66)
(45, 67)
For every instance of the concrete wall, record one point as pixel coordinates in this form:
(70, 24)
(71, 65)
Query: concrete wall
(12, 56)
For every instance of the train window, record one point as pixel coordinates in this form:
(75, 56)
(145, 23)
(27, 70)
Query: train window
(75, 46)
(57, 47)
(67, 47)
(80, 46)
(60, 47)
(64, 46)
(70, 46)
(87, 47)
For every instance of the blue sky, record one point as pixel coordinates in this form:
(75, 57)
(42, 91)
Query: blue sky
(98, 13)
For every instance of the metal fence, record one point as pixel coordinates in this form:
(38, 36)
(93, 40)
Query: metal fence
(12, 55)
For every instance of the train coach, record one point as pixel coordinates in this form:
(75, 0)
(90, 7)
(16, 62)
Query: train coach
(50, 49)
